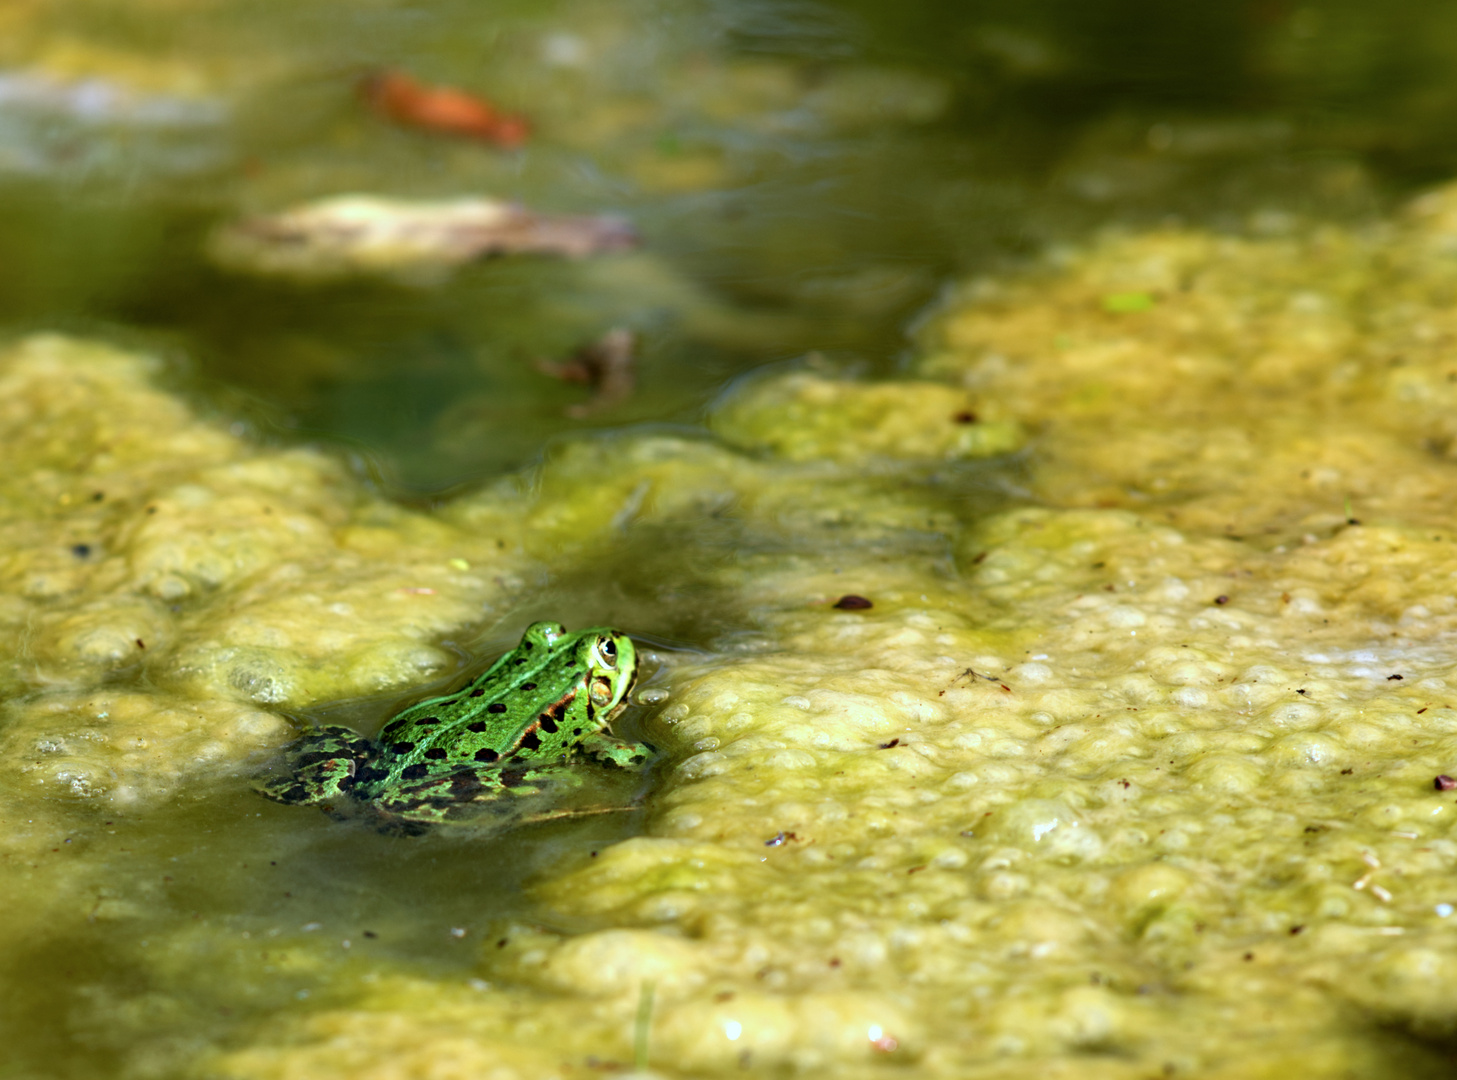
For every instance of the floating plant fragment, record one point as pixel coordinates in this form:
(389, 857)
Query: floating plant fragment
(606, 365)
(362, 235)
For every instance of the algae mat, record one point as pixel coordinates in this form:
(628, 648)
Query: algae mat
(1127, 771)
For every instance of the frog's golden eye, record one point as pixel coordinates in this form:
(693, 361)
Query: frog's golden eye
(607, 650)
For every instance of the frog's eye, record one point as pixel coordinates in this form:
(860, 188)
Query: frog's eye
(607, 650)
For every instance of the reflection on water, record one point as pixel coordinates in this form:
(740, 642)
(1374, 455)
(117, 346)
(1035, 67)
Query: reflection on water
(234, 906)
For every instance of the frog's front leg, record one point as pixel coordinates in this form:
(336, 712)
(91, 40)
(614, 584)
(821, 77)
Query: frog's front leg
(609, 750)
(322, 765)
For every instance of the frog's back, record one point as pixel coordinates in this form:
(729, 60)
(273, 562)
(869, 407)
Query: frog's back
(324, 766)
(526, 704)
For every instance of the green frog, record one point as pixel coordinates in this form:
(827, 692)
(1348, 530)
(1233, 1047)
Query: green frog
(509, 734)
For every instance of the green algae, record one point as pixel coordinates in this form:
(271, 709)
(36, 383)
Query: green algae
(1118, 786)
(1082, 781)
(1135, 780)
(803, 416)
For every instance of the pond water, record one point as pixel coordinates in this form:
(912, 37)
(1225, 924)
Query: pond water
(804, 176)
(879, 250)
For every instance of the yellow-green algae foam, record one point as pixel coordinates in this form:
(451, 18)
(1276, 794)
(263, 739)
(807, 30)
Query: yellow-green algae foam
(1136, 779)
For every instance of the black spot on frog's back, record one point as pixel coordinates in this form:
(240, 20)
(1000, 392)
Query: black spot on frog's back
(530, 741)
(487, 755)
(370, 773)
(464, 785)
(515, 777)
(552, 717)
(418, 771)
(313, 757)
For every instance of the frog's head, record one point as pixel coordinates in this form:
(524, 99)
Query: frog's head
(601, 660)
(610, 659)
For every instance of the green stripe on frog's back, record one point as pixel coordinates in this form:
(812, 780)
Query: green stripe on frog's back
(497, 702)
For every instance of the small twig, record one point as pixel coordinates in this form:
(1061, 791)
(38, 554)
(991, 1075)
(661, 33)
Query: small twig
(561, 815)
(642, 1028)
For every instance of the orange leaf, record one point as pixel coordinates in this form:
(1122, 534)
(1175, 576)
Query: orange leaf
(398, 97)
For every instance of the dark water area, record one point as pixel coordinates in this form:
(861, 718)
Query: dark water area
(787, 201)
(238, 897)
